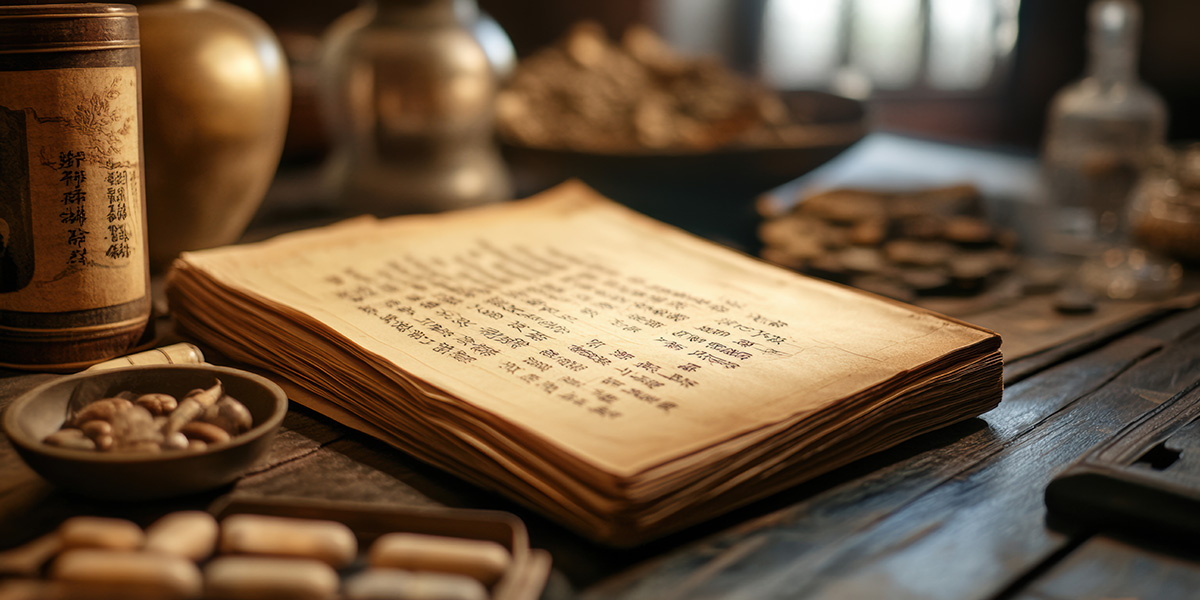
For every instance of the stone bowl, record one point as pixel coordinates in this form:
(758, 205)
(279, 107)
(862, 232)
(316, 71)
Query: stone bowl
(143, 476)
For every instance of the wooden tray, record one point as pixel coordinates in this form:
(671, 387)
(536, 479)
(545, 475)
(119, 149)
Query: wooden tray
(525, 580)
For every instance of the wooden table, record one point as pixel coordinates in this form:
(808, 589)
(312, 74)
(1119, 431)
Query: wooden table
(957, 513)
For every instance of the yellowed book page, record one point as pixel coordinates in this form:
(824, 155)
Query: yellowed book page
(621, 341)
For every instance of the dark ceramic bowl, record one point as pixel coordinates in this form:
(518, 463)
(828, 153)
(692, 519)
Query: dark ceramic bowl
(710, 193)
(143, 476)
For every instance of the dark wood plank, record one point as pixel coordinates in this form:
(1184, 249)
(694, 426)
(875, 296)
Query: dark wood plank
(1103, 567)
(959, 521)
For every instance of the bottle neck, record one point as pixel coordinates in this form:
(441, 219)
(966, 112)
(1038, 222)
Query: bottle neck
(1112, 66)
(1113, 41)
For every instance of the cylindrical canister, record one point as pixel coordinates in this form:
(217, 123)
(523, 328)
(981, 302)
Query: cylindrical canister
(74, 278)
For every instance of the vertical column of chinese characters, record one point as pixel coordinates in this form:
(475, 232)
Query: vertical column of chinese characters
(118, 212)
(74, 200)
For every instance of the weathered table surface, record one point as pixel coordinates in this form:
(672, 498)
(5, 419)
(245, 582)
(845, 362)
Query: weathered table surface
(956, 513)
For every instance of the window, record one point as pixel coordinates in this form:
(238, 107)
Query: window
(857, 47)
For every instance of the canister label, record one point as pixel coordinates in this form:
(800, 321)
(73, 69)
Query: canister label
(71, 224)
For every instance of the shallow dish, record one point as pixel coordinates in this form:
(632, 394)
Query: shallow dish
(710, 193)
(143, 476)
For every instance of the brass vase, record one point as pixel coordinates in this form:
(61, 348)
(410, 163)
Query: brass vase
(215, 101)
(407, 93)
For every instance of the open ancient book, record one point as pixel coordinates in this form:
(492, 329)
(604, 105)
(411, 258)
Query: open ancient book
(618, 374)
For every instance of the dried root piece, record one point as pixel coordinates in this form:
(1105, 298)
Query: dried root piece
(154, 422)
(192, 407)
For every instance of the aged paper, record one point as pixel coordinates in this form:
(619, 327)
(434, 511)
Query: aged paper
(595, 334)
(72, 233)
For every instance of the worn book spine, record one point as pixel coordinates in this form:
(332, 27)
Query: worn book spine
(74, 279)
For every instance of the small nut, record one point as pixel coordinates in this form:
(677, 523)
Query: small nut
(104, 442)
(96, 428)
(205, 432)
(157, 404)
(230, 415)
(196, 446)
(175, 441)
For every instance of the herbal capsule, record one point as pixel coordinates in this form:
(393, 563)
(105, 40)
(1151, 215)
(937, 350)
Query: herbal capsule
(100, 532)
(27, 559)
(483, 560)
(327, 541)
(191, 534)
(394, 584)
(268, 578)
(133, 574)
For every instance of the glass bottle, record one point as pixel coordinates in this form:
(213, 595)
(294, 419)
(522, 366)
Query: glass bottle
(1101, 132)
(408, 95)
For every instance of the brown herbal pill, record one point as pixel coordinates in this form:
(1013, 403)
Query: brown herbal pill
(868, 233)
(968, 230)
(135, 574)
(395, 584)
(327, 541)
(922, 280)
(919, 253)
(100, 532)
(267, 578)
(972, 267)
(483, 560)
(776, 232)
(804, 247)
(862, 260)
(191, 534)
